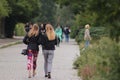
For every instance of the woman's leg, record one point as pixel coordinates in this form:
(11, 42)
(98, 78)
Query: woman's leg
(35, 55)
(67, 37)
(87, 43)
(49, 60)
(29, 62)
(45, 54)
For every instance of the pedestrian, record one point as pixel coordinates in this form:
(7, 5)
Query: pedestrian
(28, 26)
(58, 32)
(67, 34)
(87, 36)
(32, 41)
(42, 29)
(62, 32)
(48, 41)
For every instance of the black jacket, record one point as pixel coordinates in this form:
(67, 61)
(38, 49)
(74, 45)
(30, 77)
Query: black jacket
(32, 42)
(48, 44)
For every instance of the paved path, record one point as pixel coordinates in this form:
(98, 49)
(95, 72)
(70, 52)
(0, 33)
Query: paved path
(13, 64)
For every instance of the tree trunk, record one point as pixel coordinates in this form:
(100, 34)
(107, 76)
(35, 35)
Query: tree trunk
(10, 23)
(2, 30)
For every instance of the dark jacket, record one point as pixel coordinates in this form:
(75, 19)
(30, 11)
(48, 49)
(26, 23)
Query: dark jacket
(49, 44)
(42, 31)
(67, 31)
(32, 42)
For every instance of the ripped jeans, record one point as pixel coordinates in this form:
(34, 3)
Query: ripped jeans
(32, 59)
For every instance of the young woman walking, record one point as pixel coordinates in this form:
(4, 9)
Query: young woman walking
(49, 40)
(32, 42)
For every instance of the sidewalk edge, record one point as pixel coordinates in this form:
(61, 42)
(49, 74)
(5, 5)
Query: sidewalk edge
(10, 44)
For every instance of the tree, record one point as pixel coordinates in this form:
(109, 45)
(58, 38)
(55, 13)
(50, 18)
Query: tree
(21, 11)
(4, 8)
(46, 12)
(77, 6)
(64, 16)
(4, 11)
(108, 13)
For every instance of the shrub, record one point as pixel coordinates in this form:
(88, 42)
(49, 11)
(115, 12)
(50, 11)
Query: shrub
(100, 62)
(74, 31)
(95, 32)
(19, 30)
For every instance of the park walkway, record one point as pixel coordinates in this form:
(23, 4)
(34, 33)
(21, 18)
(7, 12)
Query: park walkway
(13, 64)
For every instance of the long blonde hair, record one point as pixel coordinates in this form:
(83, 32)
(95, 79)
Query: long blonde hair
(50, 32)
(34, 31)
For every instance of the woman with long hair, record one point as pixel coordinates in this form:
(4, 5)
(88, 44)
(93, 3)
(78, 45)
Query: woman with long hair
(32, 42)
(49, 40)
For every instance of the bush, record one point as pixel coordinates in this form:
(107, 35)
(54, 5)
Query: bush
(95, 32)
(100, 62)
(19, 30)
(74, 31)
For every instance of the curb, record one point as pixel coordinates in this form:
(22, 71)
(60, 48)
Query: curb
(10, 44)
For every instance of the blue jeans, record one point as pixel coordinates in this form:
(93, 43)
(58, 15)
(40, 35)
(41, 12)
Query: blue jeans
(48, 58)
(67, 38)
(87, 42)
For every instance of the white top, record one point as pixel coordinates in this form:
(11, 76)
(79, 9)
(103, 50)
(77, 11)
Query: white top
(87, 35)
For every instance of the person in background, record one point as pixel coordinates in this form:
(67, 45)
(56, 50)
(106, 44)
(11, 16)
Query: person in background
(62, 32)
(32, 41)
(58, 32)
(48, 42)
(87, 36)
(28, 26)
(42, 29)
(67, 34)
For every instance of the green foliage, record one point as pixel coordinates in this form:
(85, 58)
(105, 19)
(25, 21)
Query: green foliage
(107, 9)
(100, 62)
(19, 30)
(81, 20)
(85, 18)
(24, 10)
(115, 31)
(74, 31)
(77, 6)
(98, 32)
(4, 8)
(95, 32)
(64, 16)
(80, 36)
(21, 11)
(106, 13)
(46, 12)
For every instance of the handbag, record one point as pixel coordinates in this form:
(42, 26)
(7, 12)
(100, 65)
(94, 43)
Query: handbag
(24, 52)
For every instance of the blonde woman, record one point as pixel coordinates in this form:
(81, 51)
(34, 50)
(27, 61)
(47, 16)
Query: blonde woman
(49, 40)
(32, 42)
(87, 36)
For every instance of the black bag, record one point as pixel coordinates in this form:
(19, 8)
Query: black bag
(24, 52)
